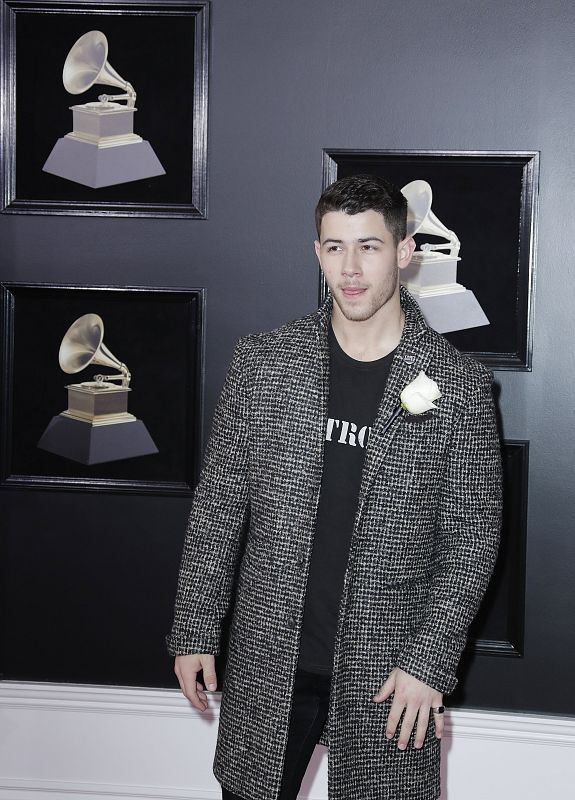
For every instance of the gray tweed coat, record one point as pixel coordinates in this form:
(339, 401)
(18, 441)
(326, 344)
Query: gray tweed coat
(423, 548)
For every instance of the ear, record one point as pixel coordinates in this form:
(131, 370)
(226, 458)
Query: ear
(317, 246)
(404, 251)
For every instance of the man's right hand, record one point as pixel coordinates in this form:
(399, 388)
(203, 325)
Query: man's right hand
(187, 668)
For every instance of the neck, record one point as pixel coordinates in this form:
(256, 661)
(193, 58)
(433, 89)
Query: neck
(373, 338)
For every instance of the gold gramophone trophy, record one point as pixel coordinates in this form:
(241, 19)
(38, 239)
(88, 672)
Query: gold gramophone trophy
(96, 427)
(431, 275)
(102, 149)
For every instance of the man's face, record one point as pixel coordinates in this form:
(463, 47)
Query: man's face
(360, 262)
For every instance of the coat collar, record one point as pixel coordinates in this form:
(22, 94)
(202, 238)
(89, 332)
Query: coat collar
(415, 327)
(413, 355)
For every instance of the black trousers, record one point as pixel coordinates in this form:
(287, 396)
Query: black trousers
(310, 701)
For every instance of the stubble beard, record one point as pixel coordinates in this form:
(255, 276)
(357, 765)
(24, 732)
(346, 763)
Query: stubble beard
(361, 313)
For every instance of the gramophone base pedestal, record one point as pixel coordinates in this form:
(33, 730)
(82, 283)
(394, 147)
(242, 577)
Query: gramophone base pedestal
(96, 444)
(452, 312)
(429, 269)
(90, 165)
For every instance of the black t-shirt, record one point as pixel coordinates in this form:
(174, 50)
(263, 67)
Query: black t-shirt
(355, 391)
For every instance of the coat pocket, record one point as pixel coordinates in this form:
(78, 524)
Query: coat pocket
(410, 582)
(419, 419)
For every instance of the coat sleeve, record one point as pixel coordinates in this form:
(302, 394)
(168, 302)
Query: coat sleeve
(215, 524)
(468, 530)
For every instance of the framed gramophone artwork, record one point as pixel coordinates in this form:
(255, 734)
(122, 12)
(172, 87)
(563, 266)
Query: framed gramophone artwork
(105, 107)
(102, 388)
(473, 215)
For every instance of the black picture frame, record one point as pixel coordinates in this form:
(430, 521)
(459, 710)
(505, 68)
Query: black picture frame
(499, 627)
(157, 332)
(162, 48)
(497, 228)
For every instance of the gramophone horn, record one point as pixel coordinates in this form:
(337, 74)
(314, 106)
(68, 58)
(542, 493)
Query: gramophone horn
(82, 345)
(419, 196)
(420, 217)
(87, 64)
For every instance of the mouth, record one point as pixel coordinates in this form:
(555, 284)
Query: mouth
(353, 291)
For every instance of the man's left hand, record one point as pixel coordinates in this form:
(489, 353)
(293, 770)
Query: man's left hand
(415, 700)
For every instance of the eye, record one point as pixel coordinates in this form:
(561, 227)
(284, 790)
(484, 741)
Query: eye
(333, 248)
(368, 247)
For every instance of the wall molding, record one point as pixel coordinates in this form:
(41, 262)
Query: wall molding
(64, 741)
(20, 789)
(33, 696)
(473, 724)
(512, 727)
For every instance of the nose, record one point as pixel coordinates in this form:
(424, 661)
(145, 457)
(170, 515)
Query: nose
(350, 264)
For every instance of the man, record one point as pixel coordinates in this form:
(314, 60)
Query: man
(372, 535)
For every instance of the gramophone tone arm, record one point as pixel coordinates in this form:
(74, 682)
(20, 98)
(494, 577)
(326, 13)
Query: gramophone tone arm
(130, 96)
(124, 376)
(426, 247)
(452, 245)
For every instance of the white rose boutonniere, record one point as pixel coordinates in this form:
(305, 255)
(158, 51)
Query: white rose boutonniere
(418, 396)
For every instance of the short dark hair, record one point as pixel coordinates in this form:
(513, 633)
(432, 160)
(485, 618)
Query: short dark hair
(358, 193)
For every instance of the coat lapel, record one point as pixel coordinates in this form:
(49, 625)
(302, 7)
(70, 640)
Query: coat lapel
(412, 356)
(319, 369)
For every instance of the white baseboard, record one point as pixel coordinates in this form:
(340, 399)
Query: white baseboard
(61, 741)
(20, 789)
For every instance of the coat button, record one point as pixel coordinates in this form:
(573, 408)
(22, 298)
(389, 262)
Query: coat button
(291, 622)
(409, 359)
(300, 561)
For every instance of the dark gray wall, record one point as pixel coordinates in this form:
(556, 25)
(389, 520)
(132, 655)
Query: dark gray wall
(287, 79)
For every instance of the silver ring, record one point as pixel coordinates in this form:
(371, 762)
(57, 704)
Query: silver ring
(438, 710)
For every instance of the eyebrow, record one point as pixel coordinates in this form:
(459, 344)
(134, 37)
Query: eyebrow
(361, 241)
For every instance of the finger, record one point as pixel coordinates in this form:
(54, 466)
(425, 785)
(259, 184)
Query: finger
(395, 713)
(386, 690)
(182, 676)
(406, 727)
(197, 700)
(422, 723)
(209, 669)
(187, 681)
(180, 679)
(439, 720)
